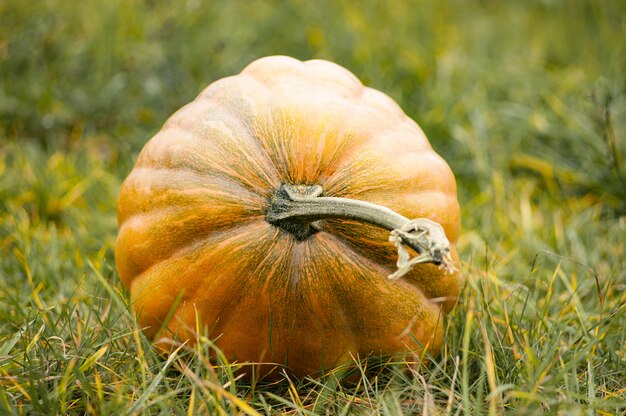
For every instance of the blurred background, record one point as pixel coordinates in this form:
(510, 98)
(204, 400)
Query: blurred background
(533, 87)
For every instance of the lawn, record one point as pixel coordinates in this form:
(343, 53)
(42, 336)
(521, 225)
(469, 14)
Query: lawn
(525, 100)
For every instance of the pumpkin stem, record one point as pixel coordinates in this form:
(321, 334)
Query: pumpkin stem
(298, 209)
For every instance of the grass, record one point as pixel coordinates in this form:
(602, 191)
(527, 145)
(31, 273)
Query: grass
(525, 100)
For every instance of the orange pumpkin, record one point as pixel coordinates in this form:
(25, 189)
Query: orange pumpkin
(258, 214)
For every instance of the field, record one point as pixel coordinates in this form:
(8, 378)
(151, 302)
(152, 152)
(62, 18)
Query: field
(525, 100)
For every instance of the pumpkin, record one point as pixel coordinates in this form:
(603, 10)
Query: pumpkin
(260, 215)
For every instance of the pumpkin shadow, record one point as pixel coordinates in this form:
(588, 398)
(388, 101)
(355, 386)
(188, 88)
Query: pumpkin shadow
(205, 358)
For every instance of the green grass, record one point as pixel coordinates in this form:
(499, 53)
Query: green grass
(525, 100)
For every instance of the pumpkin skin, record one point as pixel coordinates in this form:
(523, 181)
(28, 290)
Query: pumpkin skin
(196, 252)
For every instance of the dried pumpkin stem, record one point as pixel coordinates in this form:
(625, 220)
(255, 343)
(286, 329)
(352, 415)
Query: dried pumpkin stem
(299, 208)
